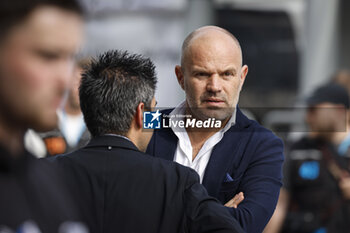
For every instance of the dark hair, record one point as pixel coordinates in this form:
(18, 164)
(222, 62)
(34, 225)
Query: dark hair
(112, 87)
(13, 12)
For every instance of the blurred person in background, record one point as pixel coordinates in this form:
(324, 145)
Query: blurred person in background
(343, 78)
(71, 120)
(39, 40)
(316, 193)
(118, 187)
(240, 160)
(72, 133)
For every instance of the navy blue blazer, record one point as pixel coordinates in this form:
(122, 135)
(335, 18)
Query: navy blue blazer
(248, 158)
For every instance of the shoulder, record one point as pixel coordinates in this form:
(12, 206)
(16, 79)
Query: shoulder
(304, 143)
(258, 141)
(61, 158)
(266, 140)
(254, 129)
(67, 162)
(48, 184)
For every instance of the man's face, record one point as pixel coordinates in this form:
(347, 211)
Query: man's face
(212, 76)
(326, 118)
(36, 63)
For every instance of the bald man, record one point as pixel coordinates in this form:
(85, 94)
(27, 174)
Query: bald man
(238, 161)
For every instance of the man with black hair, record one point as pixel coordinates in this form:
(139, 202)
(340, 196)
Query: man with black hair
(120, 188)
(38, 43)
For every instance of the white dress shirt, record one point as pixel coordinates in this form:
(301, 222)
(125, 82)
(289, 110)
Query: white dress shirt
(183, 153)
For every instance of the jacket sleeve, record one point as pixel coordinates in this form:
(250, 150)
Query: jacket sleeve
(261, 182)
(204, 213)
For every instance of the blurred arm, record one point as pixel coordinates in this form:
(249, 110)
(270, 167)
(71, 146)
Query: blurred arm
(277, 219)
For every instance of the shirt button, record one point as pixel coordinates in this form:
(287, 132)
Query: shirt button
(109, 148)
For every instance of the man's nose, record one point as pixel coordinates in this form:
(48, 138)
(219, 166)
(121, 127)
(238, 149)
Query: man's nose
(214, 83)
(64, 74)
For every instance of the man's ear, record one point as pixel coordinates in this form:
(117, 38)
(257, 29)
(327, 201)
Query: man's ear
(139, 115)
(180, 76)
(244, 72)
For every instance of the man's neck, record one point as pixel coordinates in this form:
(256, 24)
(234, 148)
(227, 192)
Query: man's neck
(11, 136)
(198, 136)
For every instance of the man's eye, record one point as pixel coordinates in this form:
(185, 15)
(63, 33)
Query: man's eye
(202, 74)
(228, 73)
(48, 55)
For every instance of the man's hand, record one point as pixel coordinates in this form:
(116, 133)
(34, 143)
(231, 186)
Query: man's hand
(235, 201)
(344, 185)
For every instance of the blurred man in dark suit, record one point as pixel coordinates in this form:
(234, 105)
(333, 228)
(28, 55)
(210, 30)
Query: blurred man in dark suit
(39, 40)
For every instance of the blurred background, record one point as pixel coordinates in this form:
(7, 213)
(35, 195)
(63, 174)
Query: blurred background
(290, 46)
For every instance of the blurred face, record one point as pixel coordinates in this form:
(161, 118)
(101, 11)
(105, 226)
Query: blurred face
(36, 63)
(326, 118)
(73, 97)
(212, 75)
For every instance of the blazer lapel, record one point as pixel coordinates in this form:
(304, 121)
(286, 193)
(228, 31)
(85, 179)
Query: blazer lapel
(220, 161)
(165, 144)
(223, 155)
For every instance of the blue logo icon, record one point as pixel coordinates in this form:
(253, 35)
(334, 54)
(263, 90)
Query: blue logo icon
(151, 120)
(321, 230)
(309, 170)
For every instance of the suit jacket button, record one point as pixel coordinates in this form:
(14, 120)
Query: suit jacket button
(109, 148)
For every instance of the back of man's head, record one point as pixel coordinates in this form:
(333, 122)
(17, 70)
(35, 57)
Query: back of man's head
(13, 12)
(111, 89)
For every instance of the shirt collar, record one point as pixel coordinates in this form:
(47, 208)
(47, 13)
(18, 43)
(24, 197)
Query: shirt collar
(180, 110)
(117, 135)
